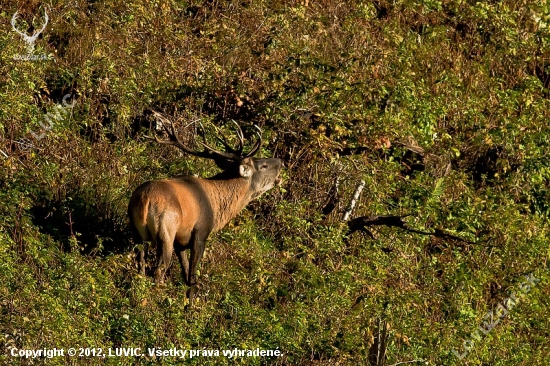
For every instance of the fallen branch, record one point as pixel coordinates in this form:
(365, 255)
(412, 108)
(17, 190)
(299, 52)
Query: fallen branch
(361, 223)
(353, 202)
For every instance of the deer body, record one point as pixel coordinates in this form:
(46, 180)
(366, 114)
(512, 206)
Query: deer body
(180, 213)
(194, 203)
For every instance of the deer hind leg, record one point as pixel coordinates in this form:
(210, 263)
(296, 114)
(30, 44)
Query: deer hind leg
(197, 250)
(165, 247)
(141, 235)
(141, 259)
(182, 257)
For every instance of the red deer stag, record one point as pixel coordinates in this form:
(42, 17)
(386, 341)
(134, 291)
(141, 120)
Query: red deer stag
(181, 212)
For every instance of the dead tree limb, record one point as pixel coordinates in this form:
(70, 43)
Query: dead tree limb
(377, 352)
(361, 223)
(353, 202)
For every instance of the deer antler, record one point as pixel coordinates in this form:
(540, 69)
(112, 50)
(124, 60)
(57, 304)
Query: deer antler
(258, 143)
(209, 152)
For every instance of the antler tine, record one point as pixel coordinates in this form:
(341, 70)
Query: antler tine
(224, 140)
(229, 156)
(258, 143)
(161, 119)
(14, 26)
(174, 139)
(240, 135)
(212, 151)
(171, 132)
(202, 131)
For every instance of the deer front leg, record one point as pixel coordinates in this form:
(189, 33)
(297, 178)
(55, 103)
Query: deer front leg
(182, 256)
(197, 250)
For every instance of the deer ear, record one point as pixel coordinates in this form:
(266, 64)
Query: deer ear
(245, 169)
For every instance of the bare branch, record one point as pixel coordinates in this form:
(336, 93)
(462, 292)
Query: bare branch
(377, 352)
(361, 224)
(353, 202)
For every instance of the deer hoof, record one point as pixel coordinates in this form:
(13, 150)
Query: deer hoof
(159, 276)
(191, 293)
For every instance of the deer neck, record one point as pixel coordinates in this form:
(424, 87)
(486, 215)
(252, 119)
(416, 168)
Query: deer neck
(227, 198)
